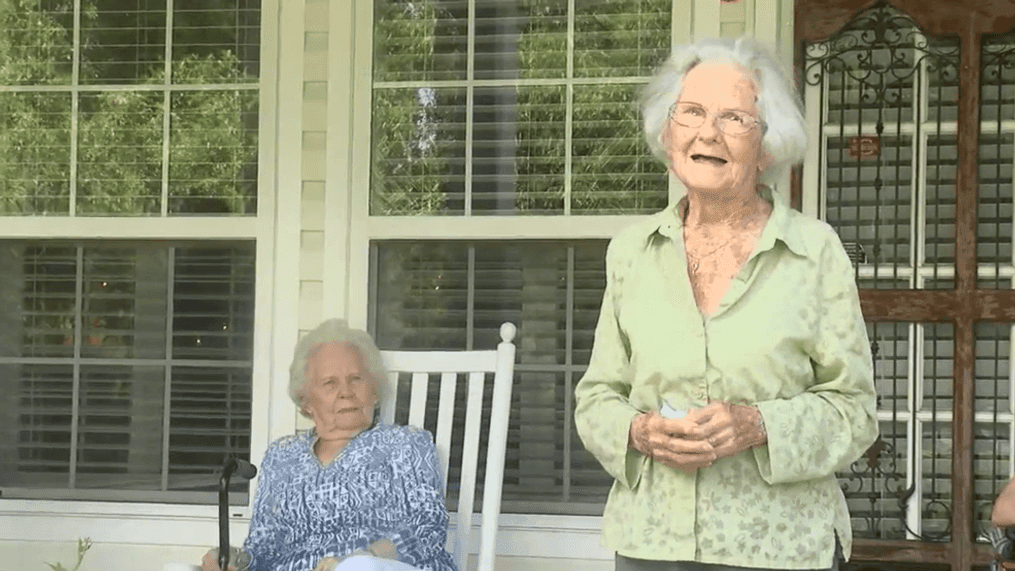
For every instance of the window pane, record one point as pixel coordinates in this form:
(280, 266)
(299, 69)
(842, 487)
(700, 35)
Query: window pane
(123, 305)
(455, 295)
(209, 418)
(120, 427)
(120, 153)
(526, 38)
(123, 41)
(939, 229)
(422, 295)
(938, 377)
(542, 39)
(37, 425)
(89, 335)
(621, 37)
(37, 43)
(213, 303)
(540, 155)
(613, 172)
(216, 41)
(942, 79)
(420, 40)
(39, 301)
(35, 147)
(993, 368)
(518, 150)
(936, 481)
(869, 203)
(994, 207)
(891, 355)
(213, 152)
(418, 151)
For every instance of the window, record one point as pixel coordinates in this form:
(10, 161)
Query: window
(127, 360)
(508, 135)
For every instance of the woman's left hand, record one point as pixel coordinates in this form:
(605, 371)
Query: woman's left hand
(328, 563)
(729, 428)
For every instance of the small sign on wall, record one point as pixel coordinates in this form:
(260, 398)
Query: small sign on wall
(864, 146)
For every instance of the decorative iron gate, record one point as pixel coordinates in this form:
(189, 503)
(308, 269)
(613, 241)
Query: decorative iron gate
(914, 171)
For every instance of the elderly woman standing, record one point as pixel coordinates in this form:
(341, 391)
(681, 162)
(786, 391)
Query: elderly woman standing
(350, 486)
(731, 374)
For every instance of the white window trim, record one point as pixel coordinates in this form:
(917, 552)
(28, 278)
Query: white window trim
(129, 522)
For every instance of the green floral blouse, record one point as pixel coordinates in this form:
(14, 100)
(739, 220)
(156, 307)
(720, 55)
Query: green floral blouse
(789, 337)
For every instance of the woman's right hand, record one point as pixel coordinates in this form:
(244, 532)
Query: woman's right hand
(210, 562)
(678, 443)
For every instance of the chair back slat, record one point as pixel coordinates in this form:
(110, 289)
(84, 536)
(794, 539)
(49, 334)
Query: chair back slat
(470, 459)
(388, 404)
(417, 399)
(474, 367)
(445, 421)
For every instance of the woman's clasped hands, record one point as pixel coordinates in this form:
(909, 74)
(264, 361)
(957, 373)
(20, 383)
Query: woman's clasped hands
(704, 435)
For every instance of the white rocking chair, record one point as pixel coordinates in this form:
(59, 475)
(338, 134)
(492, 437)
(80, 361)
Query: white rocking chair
(475, 365)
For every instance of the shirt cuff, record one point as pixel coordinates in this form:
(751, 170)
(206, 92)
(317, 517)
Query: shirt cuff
(634, 467)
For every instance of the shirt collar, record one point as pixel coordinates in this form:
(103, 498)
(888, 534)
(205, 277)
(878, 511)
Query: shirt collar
(670, 224)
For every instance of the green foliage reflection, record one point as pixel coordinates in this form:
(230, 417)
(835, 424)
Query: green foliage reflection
(119, 147)
(419, 137)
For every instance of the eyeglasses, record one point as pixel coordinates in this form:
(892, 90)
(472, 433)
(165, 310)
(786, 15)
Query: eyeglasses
(731, 121)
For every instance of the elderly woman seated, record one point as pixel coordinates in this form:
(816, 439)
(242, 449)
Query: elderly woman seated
(351, 486)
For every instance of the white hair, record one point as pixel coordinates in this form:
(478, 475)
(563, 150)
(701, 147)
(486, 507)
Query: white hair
(779, 105)
(336, 331)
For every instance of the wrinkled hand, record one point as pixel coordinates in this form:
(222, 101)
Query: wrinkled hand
(328, 564)
(678, 443)
(385, 549)
(210, 561)
(729, 428)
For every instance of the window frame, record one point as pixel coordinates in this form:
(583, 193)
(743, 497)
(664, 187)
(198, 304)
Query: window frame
(366, 228)
(275, 295)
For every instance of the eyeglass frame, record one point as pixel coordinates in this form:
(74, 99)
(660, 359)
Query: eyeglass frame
(722, 122)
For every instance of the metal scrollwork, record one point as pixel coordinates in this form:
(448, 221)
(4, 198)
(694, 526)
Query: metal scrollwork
(860, 49)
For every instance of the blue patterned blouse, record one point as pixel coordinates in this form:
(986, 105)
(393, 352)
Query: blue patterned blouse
(385, 484)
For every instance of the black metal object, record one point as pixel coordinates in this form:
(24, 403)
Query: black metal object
(243, 469)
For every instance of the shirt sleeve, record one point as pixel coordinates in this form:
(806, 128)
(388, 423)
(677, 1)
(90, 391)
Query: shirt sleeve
(265, 532)
(828, 426)
(603, 412)
(424, 533)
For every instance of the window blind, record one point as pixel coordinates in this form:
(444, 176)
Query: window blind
(127, 367)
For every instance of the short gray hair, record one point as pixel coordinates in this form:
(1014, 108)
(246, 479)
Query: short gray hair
(779, 105)
(336, 331)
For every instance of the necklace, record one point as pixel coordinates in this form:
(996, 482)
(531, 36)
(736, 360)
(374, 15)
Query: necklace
(696, 259)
